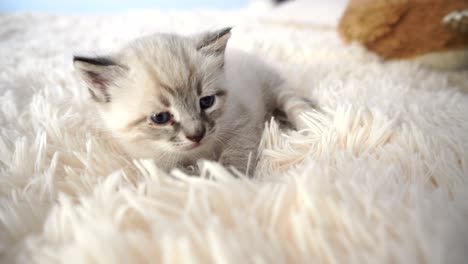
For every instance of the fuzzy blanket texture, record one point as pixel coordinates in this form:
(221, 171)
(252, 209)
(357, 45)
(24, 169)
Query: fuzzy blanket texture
(380, 176)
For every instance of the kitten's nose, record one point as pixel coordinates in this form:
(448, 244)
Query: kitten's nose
(197, 137)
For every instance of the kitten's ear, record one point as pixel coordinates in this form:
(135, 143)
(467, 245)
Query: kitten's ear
(99, 73)
(213, 42)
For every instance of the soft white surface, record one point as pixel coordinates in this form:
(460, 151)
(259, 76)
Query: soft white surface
(380, 177)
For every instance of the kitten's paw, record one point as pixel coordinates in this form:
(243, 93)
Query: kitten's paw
(298, 109)
(307, 120)
(190, 169)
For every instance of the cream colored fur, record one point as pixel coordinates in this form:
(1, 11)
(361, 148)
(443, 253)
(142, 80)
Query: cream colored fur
(379, 176)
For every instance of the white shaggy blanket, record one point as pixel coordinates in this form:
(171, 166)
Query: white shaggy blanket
(381, 176)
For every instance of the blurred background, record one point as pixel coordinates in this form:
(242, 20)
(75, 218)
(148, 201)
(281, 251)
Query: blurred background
(115, 5)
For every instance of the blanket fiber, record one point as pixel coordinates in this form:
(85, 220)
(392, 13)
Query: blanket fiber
(380, 176)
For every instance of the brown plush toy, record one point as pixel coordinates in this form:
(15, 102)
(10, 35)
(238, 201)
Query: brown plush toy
(434, 31)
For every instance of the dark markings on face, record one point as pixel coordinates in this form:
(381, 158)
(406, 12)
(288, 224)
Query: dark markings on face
(192, 78)
(164, 101)
(221, 93)
(199, 88)
(210, 123)
(166, 87)
(156, 79)
(191, 69)
(93, 95)
(176, 127)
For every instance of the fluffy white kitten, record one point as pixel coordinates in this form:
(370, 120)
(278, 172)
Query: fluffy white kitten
(177, 99)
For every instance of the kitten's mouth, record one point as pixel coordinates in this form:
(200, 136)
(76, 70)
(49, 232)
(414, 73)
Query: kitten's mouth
(190, 146)
(193, 145)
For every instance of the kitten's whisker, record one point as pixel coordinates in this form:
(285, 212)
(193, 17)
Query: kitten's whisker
(222, 143)
(226, 135)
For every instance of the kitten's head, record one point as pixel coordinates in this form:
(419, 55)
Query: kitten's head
(162, 93)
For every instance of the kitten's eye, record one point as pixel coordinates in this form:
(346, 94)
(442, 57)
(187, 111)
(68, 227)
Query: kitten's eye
(207, 101)
(161, 118)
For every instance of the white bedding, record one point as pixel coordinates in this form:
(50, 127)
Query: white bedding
(381, 176)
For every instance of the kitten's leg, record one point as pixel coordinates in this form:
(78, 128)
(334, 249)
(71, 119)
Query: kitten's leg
(291, 104)
(242, 158)
(240, 151)
(190, 169)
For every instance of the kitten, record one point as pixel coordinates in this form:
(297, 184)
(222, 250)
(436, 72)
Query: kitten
(177, 99)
